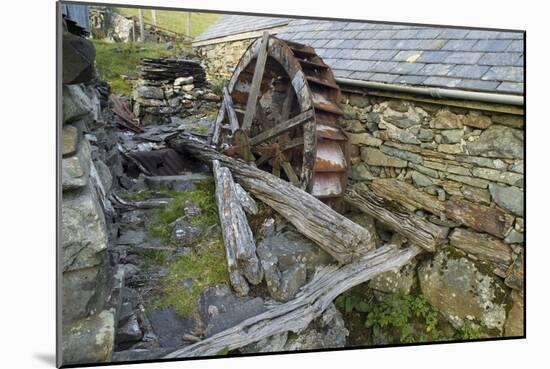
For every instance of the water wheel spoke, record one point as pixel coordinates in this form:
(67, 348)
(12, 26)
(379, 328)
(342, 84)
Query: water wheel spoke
(282, 127)
(256, 83)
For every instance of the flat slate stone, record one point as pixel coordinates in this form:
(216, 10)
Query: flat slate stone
(70, 140)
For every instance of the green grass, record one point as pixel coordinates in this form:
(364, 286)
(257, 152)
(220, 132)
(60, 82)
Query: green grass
(205, 265)
(175, 20)
(116, 59)
(203, 195)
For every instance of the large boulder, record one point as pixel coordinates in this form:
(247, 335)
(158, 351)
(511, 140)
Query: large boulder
(499, 142)
(462, 291)
(220, 309)
(78, 59)
(89, 340)
(84, 235)
(76, 103)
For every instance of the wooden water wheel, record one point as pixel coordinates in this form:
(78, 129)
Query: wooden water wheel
(279, 111)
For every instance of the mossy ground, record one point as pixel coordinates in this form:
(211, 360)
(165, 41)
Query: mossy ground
(205, 265)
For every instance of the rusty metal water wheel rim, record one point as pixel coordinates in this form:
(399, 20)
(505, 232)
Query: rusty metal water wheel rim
(291, 128)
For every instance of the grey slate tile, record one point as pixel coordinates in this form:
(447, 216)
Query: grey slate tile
(462, 57)
(334, 43)
(459, 45)
(385, 34)
(410, 80)
(453, 33)
(512, 74)
(500, 59)
(405, 34)
(476, 84)
(319, 43)
(365, 54)
(363, 65)
(491, 45)
(468, 71)
(383, 77)
(403, 55)
(511, 35)
(428, 33)
(364, 76)
(382, 67)
(385, 44)
(435, 69)
(516, 45)
(341, 73)
(442, 81)
(329, 53)
(367, 44)
(346, 53)
(433, 56)
(511, 87)
(366, 34)
(349, 44)
(482, 35)
(383, 55)
(407, 68)
(343, 64)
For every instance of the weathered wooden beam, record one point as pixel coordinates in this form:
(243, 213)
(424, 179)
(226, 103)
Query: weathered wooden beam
(237, 236)
(256, 83)
(230, 110)
(327, 284)
(417, 230)
(282, 127)
(287, 167)
(334, 233)
(247, 202)
(218, 125)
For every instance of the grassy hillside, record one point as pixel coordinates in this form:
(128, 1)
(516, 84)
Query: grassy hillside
(174, 20)
(113, 60)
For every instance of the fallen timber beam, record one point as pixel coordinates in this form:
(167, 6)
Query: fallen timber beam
(237, 236)
(327, 284)
(340, 237)
(417, 230)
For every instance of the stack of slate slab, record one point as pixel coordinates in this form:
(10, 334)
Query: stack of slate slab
(167, 88)
(163, 70)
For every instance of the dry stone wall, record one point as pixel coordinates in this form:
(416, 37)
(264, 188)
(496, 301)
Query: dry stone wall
(458, 168)
(89, 305)
(221, 58)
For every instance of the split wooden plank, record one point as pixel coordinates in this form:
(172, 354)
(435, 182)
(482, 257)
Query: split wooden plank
(218, 125)
(256, 83)
(247, 202)
(230, 110)
(327, 284)
(340, 237)
(282, 127)
(237, 236)
(417, 230)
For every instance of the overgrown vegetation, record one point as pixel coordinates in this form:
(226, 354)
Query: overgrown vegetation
(117, 62)
(402, 318)
(203, 195)
(175, 20)
(203, 266)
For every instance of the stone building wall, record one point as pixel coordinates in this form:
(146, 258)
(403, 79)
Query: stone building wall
(89, 305)
(221, 58)
(461, 169)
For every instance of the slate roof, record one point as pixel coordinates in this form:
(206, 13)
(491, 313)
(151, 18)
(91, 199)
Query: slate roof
(475, 60)
(230, 24)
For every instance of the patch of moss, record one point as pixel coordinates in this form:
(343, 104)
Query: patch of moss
(153, 257)
(205, 266)
(203, 195)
